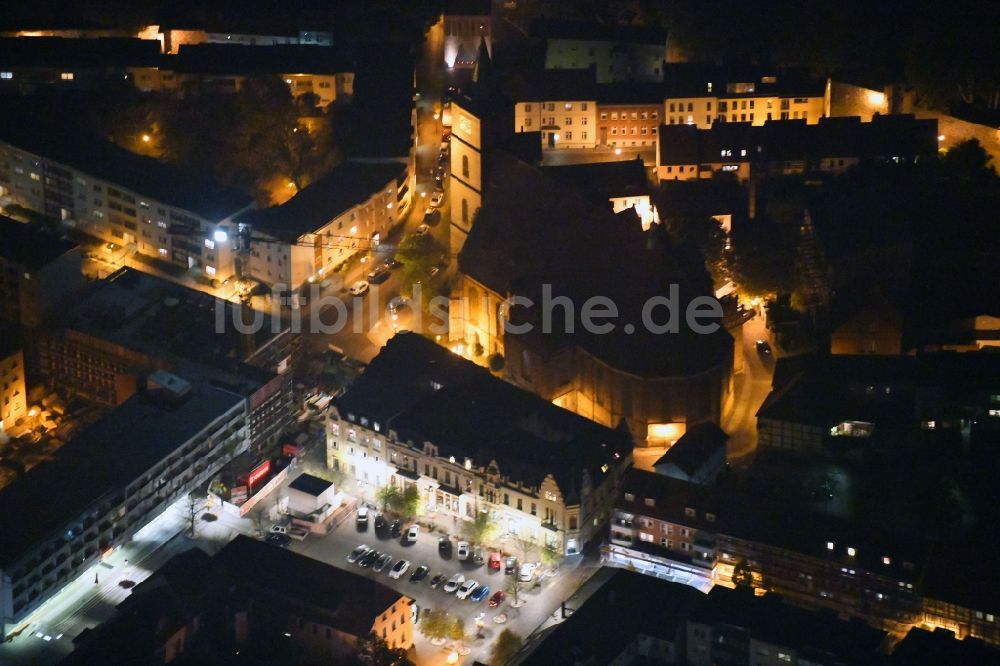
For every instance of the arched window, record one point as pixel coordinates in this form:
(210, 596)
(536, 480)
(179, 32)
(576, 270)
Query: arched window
(465, 211)
(465, 166)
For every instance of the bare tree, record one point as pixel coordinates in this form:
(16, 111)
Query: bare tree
(514, 588)
(192, 506)
(527, 545)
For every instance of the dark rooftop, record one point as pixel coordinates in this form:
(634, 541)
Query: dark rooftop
(257, 60)
(824, 389)
(694, 79)
(349, 184)
(624, 605)
(815, 635)
(100, 461)
(426, 393)
(921, 647)
(309, 484)
(161, 318)
(783, 140)
(467, 7)
(345, 600)
(32, 246)
(533, 231)
(46, 133)
(695, 447)
(78, 53)
(10, 340)
(581, 84)
(600, 181)
(599, 32)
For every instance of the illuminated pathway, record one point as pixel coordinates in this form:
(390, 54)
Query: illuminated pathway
(46, 636)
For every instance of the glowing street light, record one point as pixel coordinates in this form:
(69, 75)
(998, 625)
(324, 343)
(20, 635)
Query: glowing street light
(220, 236)
(146, 138)
(453, 657)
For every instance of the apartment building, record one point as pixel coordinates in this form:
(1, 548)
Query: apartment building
(790, 147)
(670, 528)
(469, 442)
(564, 123)
(119, 197)
(345, 213)
(465, 24)
(108, 482)
(39, 271)
(237, 600)
(225, 68)
(30, 65)
(701, 95)
(624, 185)
(172, 38)
(13, 391)
(622, 124)
(134, 323)
(613, 52)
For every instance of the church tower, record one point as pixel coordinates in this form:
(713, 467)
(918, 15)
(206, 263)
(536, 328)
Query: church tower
(469, 131)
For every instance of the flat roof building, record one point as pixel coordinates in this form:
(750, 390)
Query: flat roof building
(108, 482)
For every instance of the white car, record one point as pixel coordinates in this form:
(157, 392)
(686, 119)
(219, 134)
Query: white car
(279, 529)
(359, 288)
(411, 534)
(453, 583)
(399, 569)
(363, 516)
(466, 589)
(463, 550)
(527, 571)
(437, 199)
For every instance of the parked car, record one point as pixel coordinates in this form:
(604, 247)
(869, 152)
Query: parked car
(463, 550)
(510, 566)
(497, 598)
(445, 146)
(431, 217)
(419, 574)
(479, 593)
(276, 539)
(453, 583)
(369, 559)
(358, 553)
(379, 521)
(527, 571)
(466, 589)
(444, 544)
(359, 288)
(495, 560)
(399, 569)
(437, 199)
(382, 562)
(763, 348)
(279, 529)
(391, 263)
(362, 517)
(422, 230)
(477, 557)
(437, 579)
(379, 275)
(412, 534)
(396, 529)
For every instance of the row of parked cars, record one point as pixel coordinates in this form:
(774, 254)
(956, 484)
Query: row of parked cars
(365, 556)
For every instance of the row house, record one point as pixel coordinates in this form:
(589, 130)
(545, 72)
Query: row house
(668, 528)
(469, 442)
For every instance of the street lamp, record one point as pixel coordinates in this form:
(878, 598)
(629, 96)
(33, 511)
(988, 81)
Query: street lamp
(452, 657)
(146, 138)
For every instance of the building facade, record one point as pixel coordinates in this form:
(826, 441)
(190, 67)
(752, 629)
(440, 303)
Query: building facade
(160, 213)
(562, 123)
(13, 390)
(458, 476)
(628, 125)
(189, 431)
(465, 24)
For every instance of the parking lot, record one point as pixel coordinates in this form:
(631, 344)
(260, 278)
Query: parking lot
(540, 601)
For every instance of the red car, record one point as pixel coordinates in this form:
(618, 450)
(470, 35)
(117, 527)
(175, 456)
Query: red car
(497, 598)
(495, 561)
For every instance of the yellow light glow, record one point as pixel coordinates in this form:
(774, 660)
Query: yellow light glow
(665, 432)
(875, 98)
(146, 138)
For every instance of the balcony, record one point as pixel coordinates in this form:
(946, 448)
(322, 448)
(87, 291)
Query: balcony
(551, 526)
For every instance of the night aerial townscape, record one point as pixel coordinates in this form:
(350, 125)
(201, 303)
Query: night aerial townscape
(546, 332)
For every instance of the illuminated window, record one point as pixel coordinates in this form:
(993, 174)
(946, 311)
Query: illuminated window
(210, 270)
(6, 75)
(209, 243)
(66, 76)
(163, 251)
(851, 552)
(829, 545)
